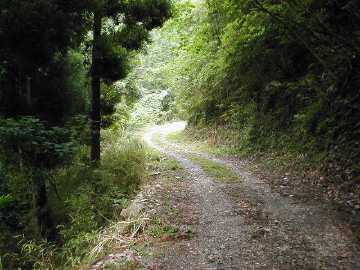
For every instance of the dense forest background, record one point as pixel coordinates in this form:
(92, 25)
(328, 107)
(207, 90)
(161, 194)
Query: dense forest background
(284, 75)
(278, 80)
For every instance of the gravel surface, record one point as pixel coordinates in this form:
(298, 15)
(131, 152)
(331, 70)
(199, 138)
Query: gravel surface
(248, 225)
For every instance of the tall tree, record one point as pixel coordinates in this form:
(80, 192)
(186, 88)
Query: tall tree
(35, 36)
(132, 19)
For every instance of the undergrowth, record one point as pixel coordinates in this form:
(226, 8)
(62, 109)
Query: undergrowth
(90, 200)
(223, 141)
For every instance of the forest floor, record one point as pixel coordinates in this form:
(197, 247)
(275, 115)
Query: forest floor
(215, 212)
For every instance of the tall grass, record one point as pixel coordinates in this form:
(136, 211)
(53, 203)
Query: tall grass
(87, 200)
(123, 160)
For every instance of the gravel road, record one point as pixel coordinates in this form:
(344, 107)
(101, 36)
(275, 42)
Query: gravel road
(247, 225)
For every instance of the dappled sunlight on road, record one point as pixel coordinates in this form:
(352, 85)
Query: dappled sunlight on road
(163, 130)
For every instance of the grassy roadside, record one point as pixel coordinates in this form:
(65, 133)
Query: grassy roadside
(90, 200)
(222, 144)
(94, 199)
(156, 225)
(163, 229)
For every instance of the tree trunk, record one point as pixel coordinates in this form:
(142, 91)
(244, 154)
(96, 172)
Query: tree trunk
(95, 88)
(44, 217)
(28, 93)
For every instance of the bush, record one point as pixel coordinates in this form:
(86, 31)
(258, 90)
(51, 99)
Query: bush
(83, 200)
(122, 160)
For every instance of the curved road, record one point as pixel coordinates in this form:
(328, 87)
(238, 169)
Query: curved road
(246, 225)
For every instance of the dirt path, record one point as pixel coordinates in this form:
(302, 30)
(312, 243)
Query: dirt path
(247, 225)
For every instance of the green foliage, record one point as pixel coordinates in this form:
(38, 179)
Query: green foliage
(34, 37)
(6, 200)
(85, 199)
(27, 139)
(152, 13)
(77, 84)
(127, 29)
(114, 60)
(48, 189)
(279, 76)
(110, 97)
(40, 254)
(117, 101)
(150, 74)
(123, 160)
(52, 25)
(148, 110)
(268, 71)
(132, 36)
(78, 129)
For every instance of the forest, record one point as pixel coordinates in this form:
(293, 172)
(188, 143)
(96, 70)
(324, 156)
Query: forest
(273, 83)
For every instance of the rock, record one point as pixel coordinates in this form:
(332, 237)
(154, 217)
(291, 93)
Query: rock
(135, 209)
